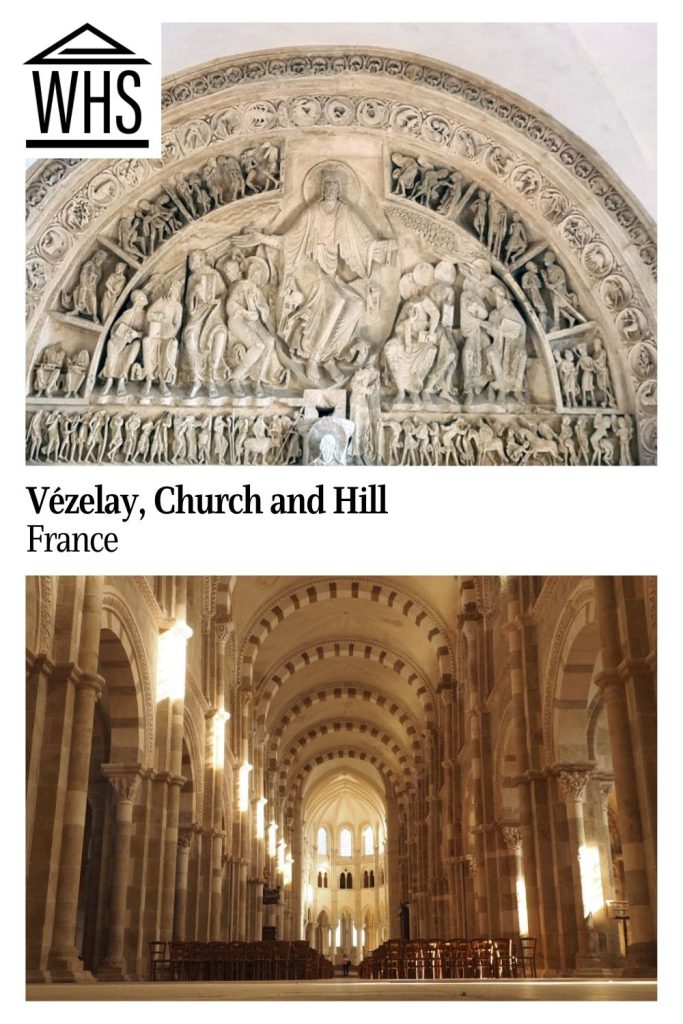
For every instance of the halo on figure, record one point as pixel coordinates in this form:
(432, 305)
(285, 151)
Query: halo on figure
(423, 275)
(260, 264)
(407, 287)
(445, 272)
(348, 180)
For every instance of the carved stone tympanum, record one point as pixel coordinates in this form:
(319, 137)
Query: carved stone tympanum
(452, 268)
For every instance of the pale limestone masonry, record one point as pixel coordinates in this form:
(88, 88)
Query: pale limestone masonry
(473, 279)
(480, 750)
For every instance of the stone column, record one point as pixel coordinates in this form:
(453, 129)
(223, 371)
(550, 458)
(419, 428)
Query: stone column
(642, 952)
(125, 782)
(534, 822)
(63, 961)
(572, 782)
(602, 836)
(185, 839)
(514, 913)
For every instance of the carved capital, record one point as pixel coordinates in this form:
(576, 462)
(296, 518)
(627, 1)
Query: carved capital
(124, 780)
(512, 837)
(445, 692)
(222, 633)
(185, 840)
(92, 681)
(573, 781)
(605, 788)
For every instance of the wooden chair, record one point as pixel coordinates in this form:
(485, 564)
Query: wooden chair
(282, 960)
(504, 959)
(394, 962)
(527, 957)
(482, 958)
(179, 961)
(159, 964)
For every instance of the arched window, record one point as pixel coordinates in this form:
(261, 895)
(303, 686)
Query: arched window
(366, 879)
(342, 881)
(320, 880)
(345, 843)
(368, 841)
(349, 880)
(372, 879)
(325, 880)
(381, 876)
(322, 841)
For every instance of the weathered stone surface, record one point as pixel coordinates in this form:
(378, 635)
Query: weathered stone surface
(357, 221)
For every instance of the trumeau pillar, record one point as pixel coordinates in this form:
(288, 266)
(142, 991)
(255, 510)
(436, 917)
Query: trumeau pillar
(125, 783)
(613, 682)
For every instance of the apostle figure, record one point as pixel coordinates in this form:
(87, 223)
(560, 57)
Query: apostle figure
(507, 356)
(160, 344)
(409, 355)
(76, 369)
(124, 344)
(113, 286)
(84, 297)
(205, 332)
(251, 328)
(48, 370)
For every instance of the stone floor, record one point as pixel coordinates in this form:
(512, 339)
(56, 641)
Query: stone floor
(352, 988)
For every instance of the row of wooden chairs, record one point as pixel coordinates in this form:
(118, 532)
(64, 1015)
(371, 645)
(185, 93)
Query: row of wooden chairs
(236, 961)
(423, 959)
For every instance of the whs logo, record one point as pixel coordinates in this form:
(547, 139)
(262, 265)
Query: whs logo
(90, 95)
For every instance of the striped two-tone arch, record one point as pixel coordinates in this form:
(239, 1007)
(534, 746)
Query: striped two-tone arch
(367, 650)
(578, 612)
(195, 751)
(315, 591)
(337, 731)
(396, 784)
(117, 618)
(331, 693)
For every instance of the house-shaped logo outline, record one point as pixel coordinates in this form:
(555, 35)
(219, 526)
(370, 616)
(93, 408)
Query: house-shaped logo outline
(112, 53)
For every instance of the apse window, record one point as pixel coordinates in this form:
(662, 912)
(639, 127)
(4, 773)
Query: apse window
(345, 843)
(368, 841)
